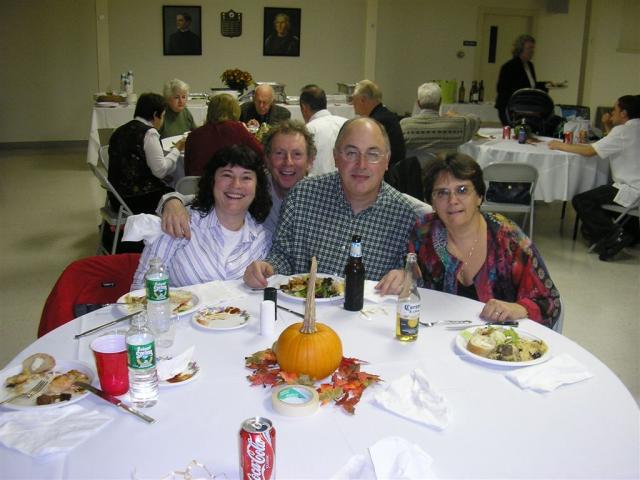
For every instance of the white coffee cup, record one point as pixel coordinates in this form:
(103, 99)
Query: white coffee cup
(132, 98)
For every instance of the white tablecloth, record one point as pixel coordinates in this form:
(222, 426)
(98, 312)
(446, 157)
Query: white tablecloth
(486, 111)
(585, 430)
(561, 175)
(105, 117)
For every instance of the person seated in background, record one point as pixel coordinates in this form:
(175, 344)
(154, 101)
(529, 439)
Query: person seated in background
(289, 154)
(263, 108)
(483, 256)
(367, 102)
(320, 214)
(221, 129)
(226, 232)
(137, 164)
(622, 147)
(427, 133)
(177, 117)
(323, 125)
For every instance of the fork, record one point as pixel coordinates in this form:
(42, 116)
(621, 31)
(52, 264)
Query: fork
(444, 322)
(37, 388)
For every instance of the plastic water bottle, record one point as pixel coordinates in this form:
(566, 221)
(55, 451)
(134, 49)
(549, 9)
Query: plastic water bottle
(158, 303)
(141, 352)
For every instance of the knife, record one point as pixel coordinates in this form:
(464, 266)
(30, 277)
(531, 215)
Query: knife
(106, 325)
(297, 314)
(116, 401)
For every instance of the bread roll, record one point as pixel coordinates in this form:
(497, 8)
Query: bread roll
(481, 345)
(39, 363)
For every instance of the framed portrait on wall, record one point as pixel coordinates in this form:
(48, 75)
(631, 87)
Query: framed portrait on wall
(281, 37)
(182, 30)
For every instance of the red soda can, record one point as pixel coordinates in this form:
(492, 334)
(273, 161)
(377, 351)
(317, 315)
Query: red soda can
(257, 449)
(568, 137)
(506, 132)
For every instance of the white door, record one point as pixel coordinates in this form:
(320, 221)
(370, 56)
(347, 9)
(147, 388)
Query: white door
(496, 41)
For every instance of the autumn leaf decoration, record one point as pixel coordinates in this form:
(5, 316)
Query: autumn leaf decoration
(348, 382)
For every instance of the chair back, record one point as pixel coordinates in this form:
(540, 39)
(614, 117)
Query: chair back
(188, 185)
(568, 112)
(103, 157)
(93, 280)
(536, 107)
(106, 184)
(406, 177)
(560, 320)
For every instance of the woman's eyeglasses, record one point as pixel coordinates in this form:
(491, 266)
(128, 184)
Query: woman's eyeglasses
(461, 192)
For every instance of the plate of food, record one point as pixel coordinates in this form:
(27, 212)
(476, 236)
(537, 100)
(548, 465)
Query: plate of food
(59, 375)
(328, 288)
(225, 317)
(182, 301)
(188, 375)
(508, 347)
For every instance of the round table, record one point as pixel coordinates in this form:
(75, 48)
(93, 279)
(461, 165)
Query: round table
(497, 430)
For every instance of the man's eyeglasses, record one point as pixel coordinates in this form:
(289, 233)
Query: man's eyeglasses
(461, 191)
(353, 155)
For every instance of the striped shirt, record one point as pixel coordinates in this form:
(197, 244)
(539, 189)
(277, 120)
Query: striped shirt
(201, 259)
(316, 219)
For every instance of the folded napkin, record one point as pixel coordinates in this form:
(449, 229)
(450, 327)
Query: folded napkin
(142, 227)
(411, 396)
(546, 377)
(173, 366)
(372, 295)
(56, 430)
(389, 458)
(217, 291)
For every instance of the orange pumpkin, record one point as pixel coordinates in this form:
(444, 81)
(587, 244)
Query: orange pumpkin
(309, 348)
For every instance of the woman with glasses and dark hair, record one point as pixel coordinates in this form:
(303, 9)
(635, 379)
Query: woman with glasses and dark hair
(483, 256)
(226, 223)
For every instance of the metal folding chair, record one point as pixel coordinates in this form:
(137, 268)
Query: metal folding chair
(510, 173)
(632, 210)
(187, 185)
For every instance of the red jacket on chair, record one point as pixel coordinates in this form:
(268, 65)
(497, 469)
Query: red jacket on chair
(93, 280)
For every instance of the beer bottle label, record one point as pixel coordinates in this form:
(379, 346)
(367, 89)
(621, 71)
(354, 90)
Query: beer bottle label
(356, 249)
(142, 357)
(157, 290)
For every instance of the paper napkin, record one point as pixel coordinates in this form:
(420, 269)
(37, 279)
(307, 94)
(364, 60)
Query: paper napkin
(546, 377)
(142, 227)
(57, 430)
(372, 295)
(389, 458)
(412, 396)
(173, 366)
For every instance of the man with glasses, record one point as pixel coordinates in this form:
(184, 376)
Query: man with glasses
(320, 214)
(289, 155)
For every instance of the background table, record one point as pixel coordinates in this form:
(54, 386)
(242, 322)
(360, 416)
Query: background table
(113, 117)
(561, 175)
(585, 430)
(486, 111)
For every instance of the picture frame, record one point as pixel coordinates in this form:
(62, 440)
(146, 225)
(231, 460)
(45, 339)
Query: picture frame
(182, 29)
(281, 34)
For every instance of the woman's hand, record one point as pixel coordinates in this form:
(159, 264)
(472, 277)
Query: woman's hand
(499, 311)
(391, 283)
(180, 144)
(175, 219)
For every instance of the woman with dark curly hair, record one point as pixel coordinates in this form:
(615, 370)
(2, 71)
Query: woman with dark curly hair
(226, 232)
(483, 256)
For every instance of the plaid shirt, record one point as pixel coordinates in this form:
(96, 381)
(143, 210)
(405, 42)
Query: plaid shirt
(316, 219)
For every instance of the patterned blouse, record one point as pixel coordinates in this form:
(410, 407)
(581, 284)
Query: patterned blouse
(512, 272)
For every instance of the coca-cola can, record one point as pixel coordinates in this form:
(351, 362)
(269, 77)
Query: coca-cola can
(257, 449)
(568, 137)
(506, 132)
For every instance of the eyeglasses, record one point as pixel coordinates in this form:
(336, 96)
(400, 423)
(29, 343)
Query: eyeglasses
(353, 155)
(461, 192)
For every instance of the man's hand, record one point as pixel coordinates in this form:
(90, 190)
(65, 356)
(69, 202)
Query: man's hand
(607, 124)
(257, 273)
(175, 219)
(391, 283)
(555, 145)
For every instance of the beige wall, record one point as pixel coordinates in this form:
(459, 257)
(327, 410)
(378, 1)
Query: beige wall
(50, 69)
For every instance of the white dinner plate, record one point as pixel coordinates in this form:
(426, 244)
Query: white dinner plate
(22, 403)
(196, 375)
(461, 343)
(191, 306)
(203, 318)
(288, 296)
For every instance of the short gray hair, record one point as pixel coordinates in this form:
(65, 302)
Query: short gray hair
(429, 96)
(518, 43)
(173, 86)
(369, 90)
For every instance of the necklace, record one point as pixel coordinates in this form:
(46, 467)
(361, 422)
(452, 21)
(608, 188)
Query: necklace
(465, 262)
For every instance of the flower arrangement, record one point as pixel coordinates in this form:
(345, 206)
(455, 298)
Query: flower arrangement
(236, 79)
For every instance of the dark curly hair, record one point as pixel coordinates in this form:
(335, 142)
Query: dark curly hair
(241, 156)
(460, 166)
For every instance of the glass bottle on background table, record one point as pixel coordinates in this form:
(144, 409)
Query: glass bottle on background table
(158, 303)
(408, 310)
(461, 92)
(141, 352)
(354, 277)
